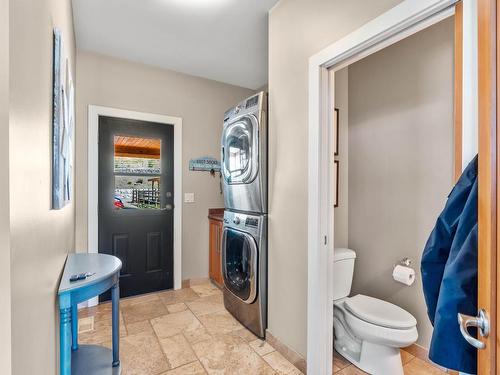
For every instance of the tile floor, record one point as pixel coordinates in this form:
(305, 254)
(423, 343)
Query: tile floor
(189, 332)
(411, 365)
(183, 332)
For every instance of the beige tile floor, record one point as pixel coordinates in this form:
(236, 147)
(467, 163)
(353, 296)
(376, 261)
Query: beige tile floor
(411, 365)
(184, 332)
(189, 332)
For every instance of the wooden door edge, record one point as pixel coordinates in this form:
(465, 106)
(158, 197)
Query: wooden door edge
(487, 176)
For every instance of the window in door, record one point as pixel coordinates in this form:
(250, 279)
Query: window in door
(137, 170)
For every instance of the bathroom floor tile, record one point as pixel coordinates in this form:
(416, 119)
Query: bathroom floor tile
(244, 333)
(351, 370)
(138, 327)
(182, 322)
(406, 357)
(335, 368)
(206, 305)
(85, 324)
(205, 290)
(340, 361)
(176, 307)
(220, 322)
(172, 297)
(141, 311)
(101, 333)
(225, 354)
(129, 301)
(194, 368)
(177, 351)
(418, 367)
(99, 312)
(280, 364)
(181, 333)
(261, 347)
(141, 354)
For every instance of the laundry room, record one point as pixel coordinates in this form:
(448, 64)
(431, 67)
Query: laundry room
(393, 167)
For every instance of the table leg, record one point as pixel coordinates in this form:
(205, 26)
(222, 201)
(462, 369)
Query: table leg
(115, 297)
(65, 341)
(74, 327)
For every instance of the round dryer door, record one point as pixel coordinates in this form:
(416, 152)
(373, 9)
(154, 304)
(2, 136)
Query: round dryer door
(240, 151)
(239, 264)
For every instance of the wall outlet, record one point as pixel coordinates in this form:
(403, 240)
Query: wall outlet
(188, 197)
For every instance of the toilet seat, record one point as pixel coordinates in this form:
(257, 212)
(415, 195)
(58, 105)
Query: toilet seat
(379, 312)
(363, 329)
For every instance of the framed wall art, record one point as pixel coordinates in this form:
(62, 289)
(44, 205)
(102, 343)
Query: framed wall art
(336, 126)
(63, 124)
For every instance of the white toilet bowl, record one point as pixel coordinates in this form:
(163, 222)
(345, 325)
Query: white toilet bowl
(369, 333)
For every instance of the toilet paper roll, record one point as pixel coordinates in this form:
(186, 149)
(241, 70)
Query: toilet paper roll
(404, 275)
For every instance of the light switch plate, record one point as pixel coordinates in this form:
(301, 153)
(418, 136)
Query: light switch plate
(188, 197)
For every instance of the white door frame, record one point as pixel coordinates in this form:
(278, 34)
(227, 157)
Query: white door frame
(405, 19)
(94, 112)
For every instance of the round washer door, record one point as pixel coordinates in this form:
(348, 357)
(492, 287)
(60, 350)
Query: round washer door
(240, 151)
(239, 264)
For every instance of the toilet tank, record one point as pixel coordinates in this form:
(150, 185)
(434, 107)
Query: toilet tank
(343, 271)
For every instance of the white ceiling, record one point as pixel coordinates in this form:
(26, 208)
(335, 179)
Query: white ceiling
(223, 40)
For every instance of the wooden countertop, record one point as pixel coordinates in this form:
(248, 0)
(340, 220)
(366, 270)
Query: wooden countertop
(216, 214)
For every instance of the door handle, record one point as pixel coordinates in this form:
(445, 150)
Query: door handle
(168, 207)
(481, 322)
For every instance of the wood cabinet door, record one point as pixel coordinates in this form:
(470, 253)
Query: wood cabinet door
(212, 248)
(215, 249)
(218, 266)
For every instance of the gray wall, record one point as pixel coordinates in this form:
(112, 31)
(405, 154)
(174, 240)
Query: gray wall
(40, 238)
(201, 103)
(297, 30)
(5, 296)
(400, 160)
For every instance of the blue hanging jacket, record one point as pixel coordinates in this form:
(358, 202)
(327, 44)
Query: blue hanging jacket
(449, 274)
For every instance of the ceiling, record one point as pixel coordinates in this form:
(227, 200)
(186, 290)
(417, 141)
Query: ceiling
(223, 40)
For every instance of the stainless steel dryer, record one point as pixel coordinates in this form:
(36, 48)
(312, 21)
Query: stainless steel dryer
(244, 269)
(244, 155)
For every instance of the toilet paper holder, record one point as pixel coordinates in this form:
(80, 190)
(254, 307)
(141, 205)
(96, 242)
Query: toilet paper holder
(404, 262)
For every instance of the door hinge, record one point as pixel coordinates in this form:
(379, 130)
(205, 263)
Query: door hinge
(326, 240)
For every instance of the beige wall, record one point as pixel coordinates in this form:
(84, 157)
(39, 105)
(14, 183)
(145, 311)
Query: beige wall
(5, 292)
(200, 102)
(400, 161)
(297, 30)
(40, 237)
(341, 222)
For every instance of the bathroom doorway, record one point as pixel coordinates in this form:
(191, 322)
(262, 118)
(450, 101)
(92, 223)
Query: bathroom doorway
(393, 170)
(369, 39)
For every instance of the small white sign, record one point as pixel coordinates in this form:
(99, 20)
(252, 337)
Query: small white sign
(188, 197)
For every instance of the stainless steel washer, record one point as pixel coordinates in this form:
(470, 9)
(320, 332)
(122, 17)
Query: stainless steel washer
(244, 155)
(244, 269)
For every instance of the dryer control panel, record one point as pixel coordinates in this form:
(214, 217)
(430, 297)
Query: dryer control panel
(254, 105)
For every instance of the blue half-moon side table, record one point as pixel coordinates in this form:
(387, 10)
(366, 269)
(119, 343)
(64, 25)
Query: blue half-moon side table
(88, 359)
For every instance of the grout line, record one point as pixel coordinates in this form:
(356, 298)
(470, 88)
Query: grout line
(161, 347)
(191, 345)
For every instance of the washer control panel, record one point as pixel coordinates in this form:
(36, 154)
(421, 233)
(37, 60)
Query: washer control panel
(242, 221)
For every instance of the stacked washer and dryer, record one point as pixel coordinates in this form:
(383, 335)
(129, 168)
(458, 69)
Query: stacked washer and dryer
(244, 235)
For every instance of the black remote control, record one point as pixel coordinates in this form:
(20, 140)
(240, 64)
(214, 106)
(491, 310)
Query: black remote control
(80, 276)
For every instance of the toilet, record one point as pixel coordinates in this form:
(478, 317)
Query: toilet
(369, 332)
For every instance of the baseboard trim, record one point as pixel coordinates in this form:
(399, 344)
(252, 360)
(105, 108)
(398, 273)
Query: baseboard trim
(187, 283)
(292, 356)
